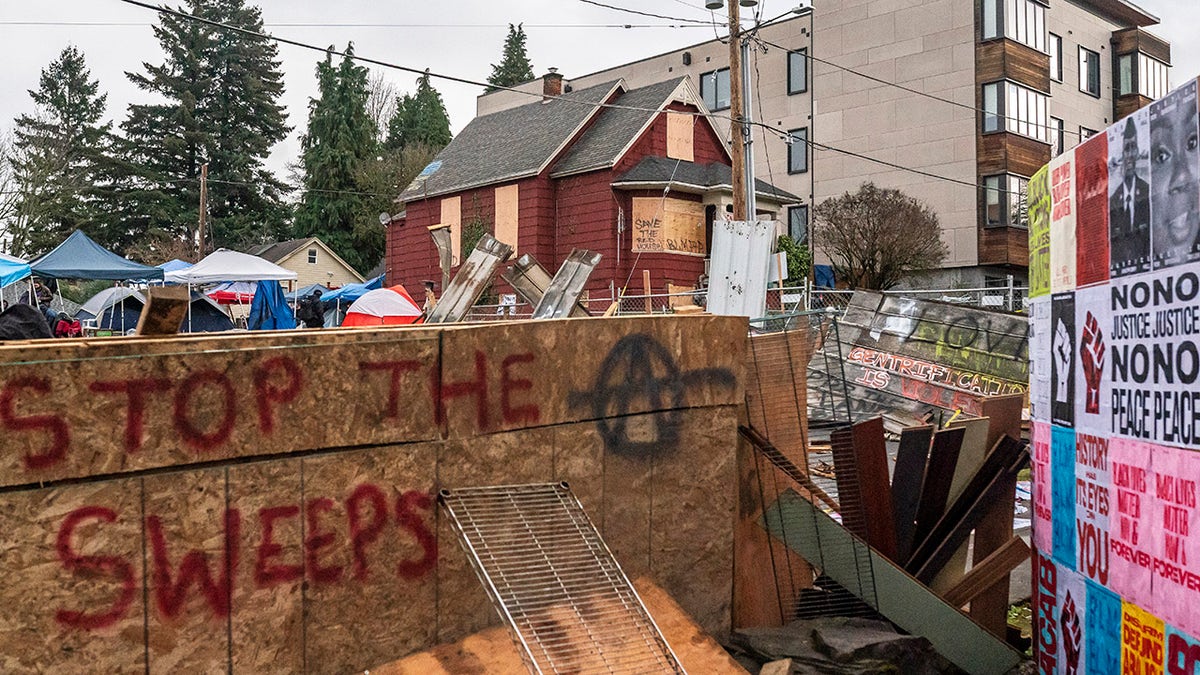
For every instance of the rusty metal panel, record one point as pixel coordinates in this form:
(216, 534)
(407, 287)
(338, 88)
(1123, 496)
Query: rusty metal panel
(562, 296)
(530, 280)
(470, 282)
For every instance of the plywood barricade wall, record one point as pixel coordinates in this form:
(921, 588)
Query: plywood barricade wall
(264, 502)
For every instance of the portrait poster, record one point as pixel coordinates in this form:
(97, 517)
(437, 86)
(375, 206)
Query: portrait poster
(1174, 179)
(1176, 549)
(1062, 359)
(1129, 195)
(1072, 612)
(1093, 386)
(1062, 223)
(1154, 356)
(1130, 519)
(1038, 196)
(1143, 639)
(1042, 505)
(1062, 494)
(1091, 211)
(1103, 620)
(1092, 486)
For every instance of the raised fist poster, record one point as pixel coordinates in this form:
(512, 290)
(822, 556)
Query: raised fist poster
(1062, 359)
(1093, 390)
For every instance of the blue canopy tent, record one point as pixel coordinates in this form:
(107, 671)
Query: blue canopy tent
(350, 292)
(297, 294)
(81, 258)
(269, 310)
(12, 272)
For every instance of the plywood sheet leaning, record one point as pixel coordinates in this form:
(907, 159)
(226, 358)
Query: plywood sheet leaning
(777, 389)
(935, 487)
(970, 458)
(315, 547)
(864, 492)
(914, 356)
(912, 458)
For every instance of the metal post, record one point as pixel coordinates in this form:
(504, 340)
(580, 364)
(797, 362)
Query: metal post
(1011, 299)
(748, 132)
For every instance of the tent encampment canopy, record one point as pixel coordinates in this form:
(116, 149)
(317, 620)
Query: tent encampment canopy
(78, 257)
(226, 265)
(351, 292)
(12, 272)
(174, 265)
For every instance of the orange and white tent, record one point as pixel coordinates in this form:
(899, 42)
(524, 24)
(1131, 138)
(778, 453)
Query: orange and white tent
(383, 307)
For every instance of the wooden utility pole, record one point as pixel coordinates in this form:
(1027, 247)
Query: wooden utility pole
(736, 151)
(203, 208)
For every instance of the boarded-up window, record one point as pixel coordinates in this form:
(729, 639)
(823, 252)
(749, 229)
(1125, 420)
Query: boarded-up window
(507, 212)
(679, 136)
(452, 216)
(668, 226)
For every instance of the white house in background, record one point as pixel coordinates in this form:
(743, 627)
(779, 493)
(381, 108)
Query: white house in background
(312, 261)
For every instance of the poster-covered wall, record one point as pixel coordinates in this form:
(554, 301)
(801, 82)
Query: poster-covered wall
(1115, 396)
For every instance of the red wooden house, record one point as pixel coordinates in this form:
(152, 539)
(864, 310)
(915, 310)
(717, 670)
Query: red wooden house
(636, 175)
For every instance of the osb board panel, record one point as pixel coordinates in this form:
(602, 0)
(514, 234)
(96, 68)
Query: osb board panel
(68, 611)
(536, 373)
(525, 456)
(371, 556)
(187, 528)
(115, 408)
(777, 389)
(493, 650)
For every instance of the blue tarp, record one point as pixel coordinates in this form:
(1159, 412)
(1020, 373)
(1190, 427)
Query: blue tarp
(823, 276)
(351, 292)
(270, 310)
(174, 265)
(12, 272)
(81, 258)
(296, 295)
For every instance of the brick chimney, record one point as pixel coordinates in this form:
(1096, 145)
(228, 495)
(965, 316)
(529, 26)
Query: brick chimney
(551, 85)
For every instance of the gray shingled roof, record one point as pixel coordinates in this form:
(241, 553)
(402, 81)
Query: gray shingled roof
(509, 144)
(278, 250)
(660, 170)
(601, 144)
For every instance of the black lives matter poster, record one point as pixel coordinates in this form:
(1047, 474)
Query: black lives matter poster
(1062, 359)
(1175, 179)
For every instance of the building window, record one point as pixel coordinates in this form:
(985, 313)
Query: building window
(1085, 133)
(1089, 71)
(1055, 58)
(1008, 106)
(798, 224)
(312, 256)
(1125, 74)
(1058, 134)
(1020, 20)
(714, 89)
(1004, 203)
(798, 150)
(798, 71)
(1152, 77)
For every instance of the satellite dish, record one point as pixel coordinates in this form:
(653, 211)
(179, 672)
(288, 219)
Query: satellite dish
(385, 218)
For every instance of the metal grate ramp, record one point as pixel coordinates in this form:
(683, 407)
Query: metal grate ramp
(554, 581)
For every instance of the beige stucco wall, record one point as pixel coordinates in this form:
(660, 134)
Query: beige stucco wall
(927, 45)
(327, 270)
(1077, 26)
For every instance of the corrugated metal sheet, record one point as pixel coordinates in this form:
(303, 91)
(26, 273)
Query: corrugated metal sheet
(471, 280)
(562, 296)
(741, 251)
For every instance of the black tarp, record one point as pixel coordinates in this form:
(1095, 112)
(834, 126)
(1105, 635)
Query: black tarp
(23, 322)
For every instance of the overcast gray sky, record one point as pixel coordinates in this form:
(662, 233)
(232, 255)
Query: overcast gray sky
(455, 37)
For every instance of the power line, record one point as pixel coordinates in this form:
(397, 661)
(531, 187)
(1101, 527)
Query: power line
(440, 26)
(641, 13)
(452, 78)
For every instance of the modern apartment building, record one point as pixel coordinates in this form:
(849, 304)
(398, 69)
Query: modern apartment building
(955, 102)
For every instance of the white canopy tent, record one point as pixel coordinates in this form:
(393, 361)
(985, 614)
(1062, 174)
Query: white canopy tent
(225, 265)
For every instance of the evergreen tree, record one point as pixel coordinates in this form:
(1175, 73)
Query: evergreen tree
(420, 118)
(60, 159)
(514, 67)
(339, 141)
(221, 91)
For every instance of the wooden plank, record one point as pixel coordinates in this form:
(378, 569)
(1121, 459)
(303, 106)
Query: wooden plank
(912, 457)
(935, 488)
(987, 572)
(990, 608)
(165, 309)
(970, 457)
(900, 598)
(932, 555)
(864, 492)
